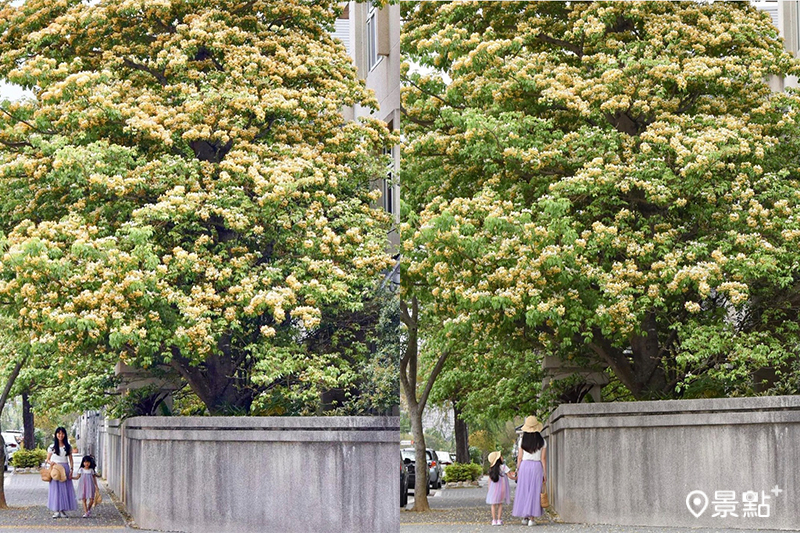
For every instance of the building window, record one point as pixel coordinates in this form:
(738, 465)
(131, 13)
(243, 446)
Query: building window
(389, 201)
(372, 39)
(388, 183)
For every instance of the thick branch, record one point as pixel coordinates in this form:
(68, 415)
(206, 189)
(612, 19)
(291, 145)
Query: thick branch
(432, 95)
(417, 121)
(432, 378)
(11, 379)
(409, 379)
(20, 144)
(31, 126)
(577, 50)
(144, 68)
(616, 360)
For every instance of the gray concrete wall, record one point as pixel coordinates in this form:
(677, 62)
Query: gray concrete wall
(257, 474)
(636, 463)
(111, 468)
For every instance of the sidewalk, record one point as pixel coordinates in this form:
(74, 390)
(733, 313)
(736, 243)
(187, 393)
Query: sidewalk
(463, 510)
(26, 495)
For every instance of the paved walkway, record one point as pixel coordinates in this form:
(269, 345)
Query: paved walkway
(463, 510)
(26, 495)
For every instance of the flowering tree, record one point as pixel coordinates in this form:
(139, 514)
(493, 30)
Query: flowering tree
(184, 191)
(609, 182)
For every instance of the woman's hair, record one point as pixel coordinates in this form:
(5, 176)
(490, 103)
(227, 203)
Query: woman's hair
(494, 470)
(532, 442)
(92, 463)
(56, 447)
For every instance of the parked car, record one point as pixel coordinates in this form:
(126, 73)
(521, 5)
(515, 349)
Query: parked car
(12, 439)
(434, 468)
(444, 458)
(403, 482)
(409, 458)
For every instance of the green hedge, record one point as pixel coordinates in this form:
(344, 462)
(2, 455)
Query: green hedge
(462, 472)
(28, 458)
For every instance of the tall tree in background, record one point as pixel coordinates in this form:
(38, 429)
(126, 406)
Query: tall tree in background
(417, 391)
(183, 190)
(13, 357)
(609, 182)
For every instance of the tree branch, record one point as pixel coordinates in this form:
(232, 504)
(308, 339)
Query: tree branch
(432, 95)
(577, 50)
(618, 362)
(11, 379)
(432, 378)
(31, 126)
(144, 68)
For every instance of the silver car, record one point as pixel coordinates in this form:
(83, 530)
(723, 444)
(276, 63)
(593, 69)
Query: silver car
(12, 440)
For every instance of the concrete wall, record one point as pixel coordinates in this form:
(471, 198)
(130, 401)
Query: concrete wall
(636, 463)
(257, 474)
(86, 432)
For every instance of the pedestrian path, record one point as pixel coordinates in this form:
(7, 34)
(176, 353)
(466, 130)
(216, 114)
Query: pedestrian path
(463, 510)
(26, 495)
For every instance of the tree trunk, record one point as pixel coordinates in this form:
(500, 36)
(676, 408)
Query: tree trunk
(647, 357)
(408, 380)
(641, 369)
(3, 504)
(29, 441)
(420, 462)
(3, 397)
(216, 382)
(461, 436)
(416, 404)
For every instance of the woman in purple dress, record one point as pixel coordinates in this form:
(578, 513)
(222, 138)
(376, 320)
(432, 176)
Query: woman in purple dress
(61, 497)
(531, 466)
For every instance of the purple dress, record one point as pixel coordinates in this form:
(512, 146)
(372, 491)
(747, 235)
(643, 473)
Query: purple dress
(86, 484)
(530, 477)
(499, 491)
(61, 496)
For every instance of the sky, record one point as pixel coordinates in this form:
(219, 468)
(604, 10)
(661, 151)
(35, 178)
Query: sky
(9, 91)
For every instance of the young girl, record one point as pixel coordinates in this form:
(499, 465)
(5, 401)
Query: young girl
(87, 486)
(499, 492)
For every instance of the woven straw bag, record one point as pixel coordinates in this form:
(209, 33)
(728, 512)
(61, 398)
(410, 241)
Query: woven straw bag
(544, 500)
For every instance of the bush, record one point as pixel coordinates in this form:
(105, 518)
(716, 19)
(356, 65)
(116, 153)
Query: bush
(462, 472)
(28, 458)
(475, 454)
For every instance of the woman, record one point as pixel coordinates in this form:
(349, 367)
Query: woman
(531, 466)
(61, 497)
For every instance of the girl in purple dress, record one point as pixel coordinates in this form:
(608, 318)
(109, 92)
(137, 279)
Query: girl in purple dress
(87, 486)
(61, 496)
(499, 492)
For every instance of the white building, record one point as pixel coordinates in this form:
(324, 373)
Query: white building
(786, 16)
(372, 38)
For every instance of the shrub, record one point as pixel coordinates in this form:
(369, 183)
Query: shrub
(462, 472)
(28, 458)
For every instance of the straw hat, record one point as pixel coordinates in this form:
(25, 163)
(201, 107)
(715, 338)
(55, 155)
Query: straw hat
(58, 473)
(531, 425)
(493, 457)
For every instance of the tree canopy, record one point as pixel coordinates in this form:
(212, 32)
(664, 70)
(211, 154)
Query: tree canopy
(183, 190)
(607, 182)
